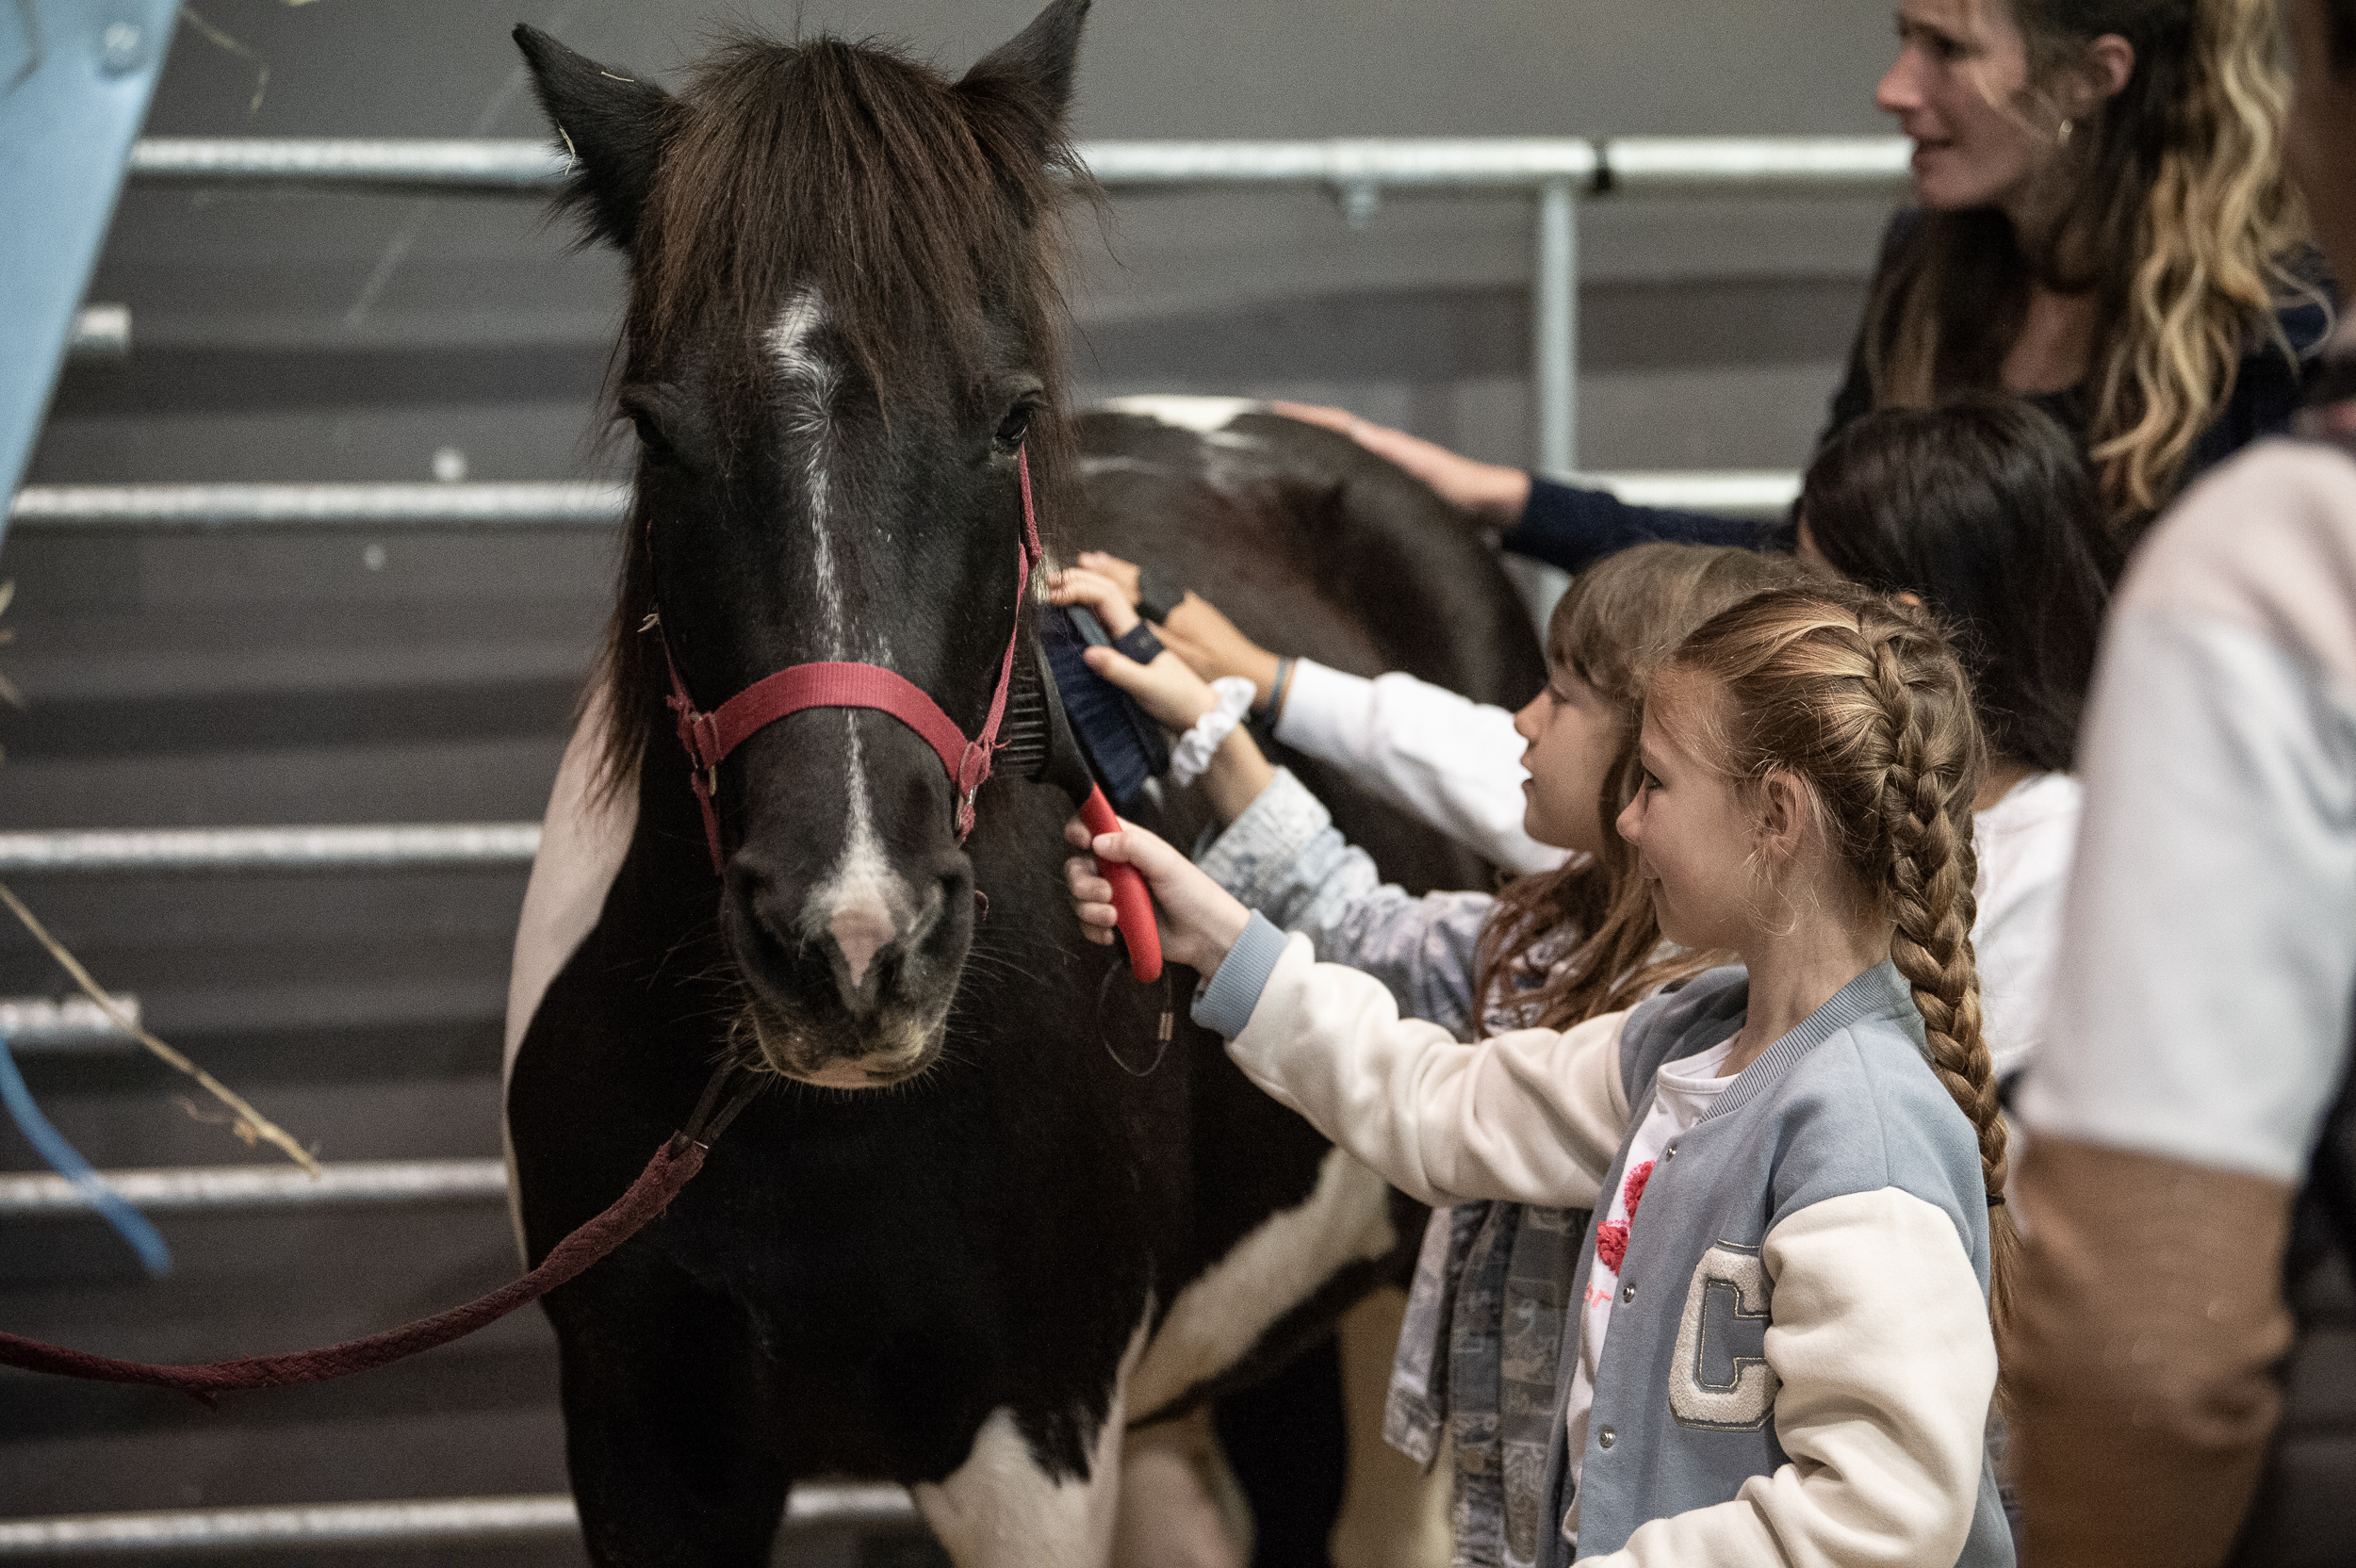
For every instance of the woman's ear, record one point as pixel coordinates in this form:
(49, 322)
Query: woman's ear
(2103, 73)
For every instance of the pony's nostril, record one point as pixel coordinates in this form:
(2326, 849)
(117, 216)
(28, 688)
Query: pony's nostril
(861, 930)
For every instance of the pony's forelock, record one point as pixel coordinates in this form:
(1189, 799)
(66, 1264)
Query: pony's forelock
(924, 213)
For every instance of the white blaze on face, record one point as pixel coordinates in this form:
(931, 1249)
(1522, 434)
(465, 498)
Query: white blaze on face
(807, 380)
(863, 904)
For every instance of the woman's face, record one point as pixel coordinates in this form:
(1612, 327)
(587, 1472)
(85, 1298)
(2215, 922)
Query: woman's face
(1961, 69)
(1574, 740)
(1694, 838)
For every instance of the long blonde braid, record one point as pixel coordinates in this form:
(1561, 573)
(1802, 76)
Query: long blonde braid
(1861, 697)
(1930, 868)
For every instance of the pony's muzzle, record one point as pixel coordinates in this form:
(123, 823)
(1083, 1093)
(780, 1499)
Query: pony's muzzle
(851, 978)
(872, 943)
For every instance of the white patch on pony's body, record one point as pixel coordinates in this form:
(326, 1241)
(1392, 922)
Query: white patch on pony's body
(1345, 1220)
(1000, 1509)
(1091, 466)
(1223, 454)
(1202, 416)
(583, 838)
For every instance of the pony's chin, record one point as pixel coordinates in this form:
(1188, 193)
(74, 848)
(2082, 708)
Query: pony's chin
(875, 1069)
(842, 1075)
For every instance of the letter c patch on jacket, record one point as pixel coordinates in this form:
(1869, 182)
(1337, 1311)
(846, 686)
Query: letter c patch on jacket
(1722, 1380)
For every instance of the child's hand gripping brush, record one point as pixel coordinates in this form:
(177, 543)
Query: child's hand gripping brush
(1041, 747)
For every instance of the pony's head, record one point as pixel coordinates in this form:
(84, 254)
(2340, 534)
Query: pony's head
(841, 333)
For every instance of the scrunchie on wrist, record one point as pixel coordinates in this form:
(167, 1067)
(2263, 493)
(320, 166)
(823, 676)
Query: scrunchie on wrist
(1192, 754)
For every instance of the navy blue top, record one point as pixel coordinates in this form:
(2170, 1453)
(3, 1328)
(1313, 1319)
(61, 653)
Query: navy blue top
(1573, 528)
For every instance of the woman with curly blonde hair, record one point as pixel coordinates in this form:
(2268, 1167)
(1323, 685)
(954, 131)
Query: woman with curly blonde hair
(2101, 225)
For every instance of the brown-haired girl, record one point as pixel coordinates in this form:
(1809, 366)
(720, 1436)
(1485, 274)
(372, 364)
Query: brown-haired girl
(1479, 1352)
(2102, 224)
(1783, 1348)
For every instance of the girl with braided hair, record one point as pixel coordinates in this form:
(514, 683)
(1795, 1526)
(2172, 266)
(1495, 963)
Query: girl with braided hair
(1781, 1347)
(1478, 1348)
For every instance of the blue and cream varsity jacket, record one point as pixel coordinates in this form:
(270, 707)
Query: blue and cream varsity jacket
(1799, 1367)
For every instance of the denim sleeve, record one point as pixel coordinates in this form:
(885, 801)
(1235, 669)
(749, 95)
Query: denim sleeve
(1572, 529)
(1285, 858)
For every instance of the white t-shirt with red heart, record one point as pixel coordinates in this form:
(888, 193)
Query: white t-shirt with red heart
(1683, 1092)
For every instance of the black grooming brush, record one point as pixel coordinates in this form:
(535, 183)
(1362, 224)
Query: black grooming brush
(1040, 746)
(1125, 747)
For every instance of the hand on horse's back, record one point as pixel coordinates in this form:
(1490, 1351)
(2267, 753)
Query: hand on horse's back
(1486, 494)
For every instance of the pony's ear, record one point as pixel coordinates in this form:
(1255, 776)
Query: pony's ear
(1040, 59)
(611, 125)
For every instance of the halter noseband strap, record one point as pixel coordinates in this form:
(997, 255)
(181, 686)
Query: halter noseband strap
(708, 738)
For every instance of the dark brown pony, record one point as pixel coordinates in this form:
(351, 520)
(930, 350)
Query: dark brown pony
(957, 1244)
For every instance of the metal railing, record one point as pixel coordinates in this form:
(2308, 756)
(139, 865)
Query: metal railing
(252, 1188)
(1634, 164)
(1554, 171)
(329, 1525)
(424, 846)
(196, 507)
(74, 508)
(77, 1025)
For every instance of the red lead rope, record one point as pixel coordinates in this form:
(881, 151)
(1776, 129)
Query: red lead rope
(673, 1166)
(649, 1196)
(710, 736)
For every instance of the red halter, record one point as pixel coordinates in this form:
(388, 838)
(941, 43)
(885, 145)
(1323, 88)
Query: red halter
(710, 736)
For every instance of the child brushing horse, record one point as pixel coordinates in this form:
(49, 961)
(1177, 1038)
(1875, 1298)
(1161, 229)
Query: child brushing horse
(1478, 1355)
(1790, 1353)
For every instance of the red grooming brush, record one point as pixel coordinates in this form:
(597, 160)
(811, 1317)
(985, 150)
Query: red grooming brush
(1039, 744)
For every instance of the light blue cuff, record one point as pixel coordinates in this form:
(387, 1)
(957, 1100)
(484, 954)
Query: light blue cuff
(1225, 1004)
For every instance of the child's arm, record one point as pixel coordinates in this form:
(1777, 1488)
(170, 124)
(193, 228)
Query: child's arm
(1534, 1115)
(1879, 1335)
(1530, 1117)
(1285, 858)
(1280, 852)
(1450, 763)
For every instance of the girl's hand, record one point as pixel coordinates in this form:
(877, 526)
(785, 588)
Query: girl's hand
(1098, 592)
(1123, 573)
(1488, 494)
(1212, 647)
(1200, 920)
(1170, 693)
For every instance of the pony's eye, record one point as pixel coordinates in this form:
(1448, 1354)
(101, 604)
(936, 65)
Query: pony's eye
(650, 436)
(1014, 426)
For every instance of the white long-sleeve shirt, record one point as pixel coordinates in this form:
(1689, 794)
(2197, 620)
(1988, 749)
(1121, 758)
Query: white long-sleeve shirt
(1456, 765)
(1452, 763)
